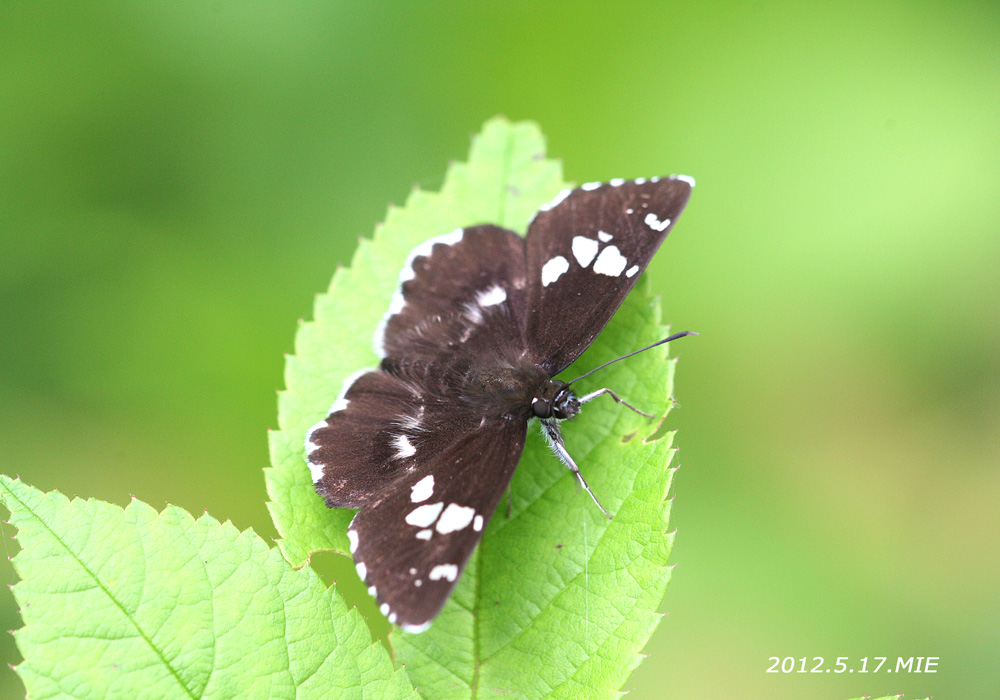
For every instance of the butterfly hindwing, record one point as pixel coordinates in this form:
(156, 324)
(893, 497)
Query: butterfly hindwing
(412, 543)
(585, 252)
(363, 445)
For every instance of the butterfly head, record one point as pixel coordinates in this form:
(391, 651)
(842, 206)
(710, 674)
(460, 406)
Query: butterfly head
(555, 400)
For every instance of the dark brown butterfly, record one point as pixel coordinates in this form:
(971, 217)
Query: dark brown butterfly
(426, 444)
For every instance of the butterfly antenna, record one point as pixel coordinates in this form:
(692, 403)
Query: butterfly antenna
(675, 336)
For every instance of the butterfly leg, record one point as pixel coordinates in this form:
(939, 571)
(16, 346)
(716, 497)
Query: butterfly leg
(616, 397)
(551, 431)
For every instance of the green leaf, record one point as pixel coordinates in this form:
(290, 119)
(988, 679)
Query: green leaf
(129, 603)
(557, 601)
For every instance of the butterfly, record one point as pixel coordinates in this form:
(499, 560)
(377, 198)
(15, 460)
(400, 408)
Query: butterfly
(426, 444)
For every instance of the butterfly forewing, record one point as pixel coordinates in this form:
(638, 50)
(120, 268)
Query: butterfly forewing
(584, 255)
(412, 543)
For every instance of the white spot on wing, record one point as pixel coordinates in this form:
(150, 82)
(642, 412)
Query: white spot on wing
(477, 523)
(397, 303)
(425, 249)
(310, 445)
(684, 178)
(378, 340)
(384, 608)
(372, 592)
(604, 236)
(555, 200)
(455, 517)
(617, 182)
(423, 489)
(418, 583)
(640, 181)
(415, 629)
(341, 403)
(424, 516)
(392, 618)
(352, 537)
(610, 262)
(404, 448)
(413, 571)
(362, 570)
(444, 571)
(631, 271)
(492, 296)
(315, 470)
(588, 186)
(654, 223)
(584, 250)
(553, 270)
(317, 426)
(425, 534)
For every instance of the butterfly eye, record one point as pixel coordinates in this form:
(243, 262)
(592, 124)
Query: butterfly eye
(541, 407)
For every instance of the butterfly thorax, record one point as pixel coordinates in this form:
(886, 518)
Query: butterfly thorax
(503, 388)
(517, 389)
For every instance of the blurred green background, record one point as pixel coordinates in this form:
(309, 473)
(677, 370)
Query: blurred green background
(177, 180)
